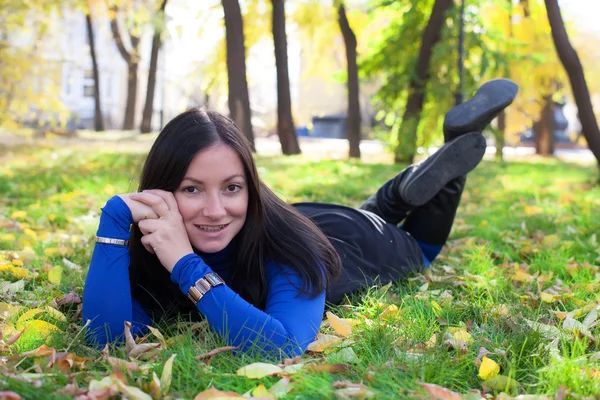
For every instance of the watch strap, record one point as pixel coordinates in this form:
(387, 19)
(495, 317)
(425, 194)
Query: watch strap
(119, 242)
(203, 286)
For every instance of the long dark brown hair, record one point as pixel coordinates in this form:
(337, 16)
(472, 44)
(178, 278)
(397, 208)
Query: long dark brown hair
(273, 231)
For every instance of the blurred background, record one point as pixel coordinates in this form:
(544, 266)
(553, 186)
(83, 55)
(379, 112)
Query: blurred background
(361, 70)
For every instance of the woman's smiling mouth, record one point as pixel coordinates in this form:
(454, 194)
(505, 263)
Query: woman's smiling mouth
(211, 228)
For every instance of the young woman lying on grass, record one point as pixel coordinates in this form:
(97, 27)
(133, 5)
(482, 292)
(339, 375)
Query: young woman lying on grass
(210, 240)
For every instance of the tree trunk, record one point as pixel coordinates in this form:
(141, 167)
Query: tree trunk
(132, 60)
(353, 118)
(98, 120)
(285, 122)
(570, 60)
(543, 129)
(239, 102)
(407, 143)
(500, 134)
(146, 125)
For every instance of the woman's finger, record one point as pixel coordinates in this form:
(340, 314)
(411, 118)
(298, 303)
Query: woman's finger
(167, 197)
(157, 204)
(146, 243)
(148, 226)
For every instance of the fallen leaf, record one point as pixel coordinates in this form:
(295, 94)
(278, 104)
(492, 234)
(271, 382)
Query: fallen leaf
(70, 298)
(500, 382)
(437, 392)
(323, 342)
(328, 368)
(216, 351)
(55, 275)
(165, 378)
(488, 368)
(281, 388)
(339, 325)
(132, 392)
(9, 396)
(154, 387)
(259, 370)
(261, 392)
(214, 394)
(349, 390)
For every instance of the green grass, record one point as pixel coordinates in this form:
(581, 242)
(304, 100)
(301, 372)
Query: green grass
(542, 217)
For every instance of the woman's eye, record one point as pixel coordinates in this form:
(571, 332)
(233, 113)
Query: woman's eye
(233, 188)
(190, 189)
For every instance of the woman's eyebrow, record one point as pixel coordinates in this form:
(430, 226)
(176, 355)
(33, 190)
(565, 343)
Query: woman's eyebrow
(229, 178)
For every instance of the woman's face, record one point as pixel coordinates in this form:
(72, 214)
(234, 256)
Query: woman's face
(213, 198)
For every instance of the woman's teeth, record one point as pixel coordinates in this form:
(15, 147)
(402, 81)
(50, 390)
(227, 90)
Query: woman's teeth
(211, 228)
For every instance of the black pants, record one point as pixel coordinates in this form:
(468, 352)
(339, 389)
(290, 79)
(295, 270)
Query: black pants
(371, 250)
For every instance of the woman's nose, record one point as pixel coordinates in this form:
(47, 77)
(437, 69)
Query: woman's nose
(213, 208)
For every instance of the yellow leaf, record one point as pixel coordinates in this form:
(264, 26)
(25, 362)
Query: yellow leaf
(551, 241)
(17, 263)
(165, 378)
(323, 342)
(42, 328)
(340, 326)
(51, 217)
(390, 311)
(132, 392)
(18, 215)
(9, 237)
(262, 392)
(532, 210)
(463, 336)
(258, 370)
(522, 276)
(55, 274)
(547, 297)
(488, 368)
(437, 309)
(31, 233)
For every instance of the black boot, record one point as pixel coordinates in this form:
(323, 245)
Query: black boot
(476, 113)
(431, 223)
(418, 184)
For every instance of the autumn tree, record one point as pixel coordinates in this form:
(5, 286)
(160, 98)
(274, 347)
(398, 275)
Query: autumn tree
(98, 119)
(159, 20)
(353, 113)
(285, 122)
(405, 152)
(132, 59)
(570, 60)
(239, 101)
(24, 73)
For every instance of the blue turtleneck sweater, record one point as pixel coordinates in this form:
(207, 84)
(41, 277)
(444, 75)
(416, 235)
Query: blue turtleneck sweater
(285, 327)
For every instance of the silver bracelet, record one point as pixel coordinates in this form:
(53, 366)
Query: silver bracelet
(119, 242)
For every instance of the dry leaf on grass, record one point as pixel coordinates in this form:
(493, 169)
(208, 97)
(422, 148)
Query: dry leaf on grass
(488, 368)
(323, 342)
(348, 390)
(437, 392)
(259, 370)
(216, 351)
(341, 326)
(143, 351)
(7, 395)
(214, 394)
(165, 378)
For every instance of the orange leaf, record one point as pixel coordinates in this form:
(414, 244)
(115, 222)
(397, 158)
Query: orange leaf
(436, 392)
(214, 394)
(339, 325)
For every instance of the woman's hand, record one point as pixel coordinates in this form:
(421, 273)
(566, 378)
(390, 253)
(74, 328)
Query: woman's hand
(139, 211)
(165, 235)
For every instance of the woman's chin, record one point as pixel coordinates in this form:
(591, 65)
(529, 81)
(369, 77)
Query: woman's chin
(209, 248)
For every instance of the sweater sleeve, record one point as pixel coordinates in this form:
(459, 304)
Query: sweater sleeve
(107, 300)
(288, 325)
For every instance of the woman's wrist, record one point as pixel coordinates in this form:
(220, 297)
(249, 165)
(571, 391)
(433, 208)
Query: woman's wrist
(115, 220)
(188, 270)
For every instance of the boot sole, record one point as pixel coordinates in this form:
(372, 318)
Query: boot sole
(476, 113)
(453, 160)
